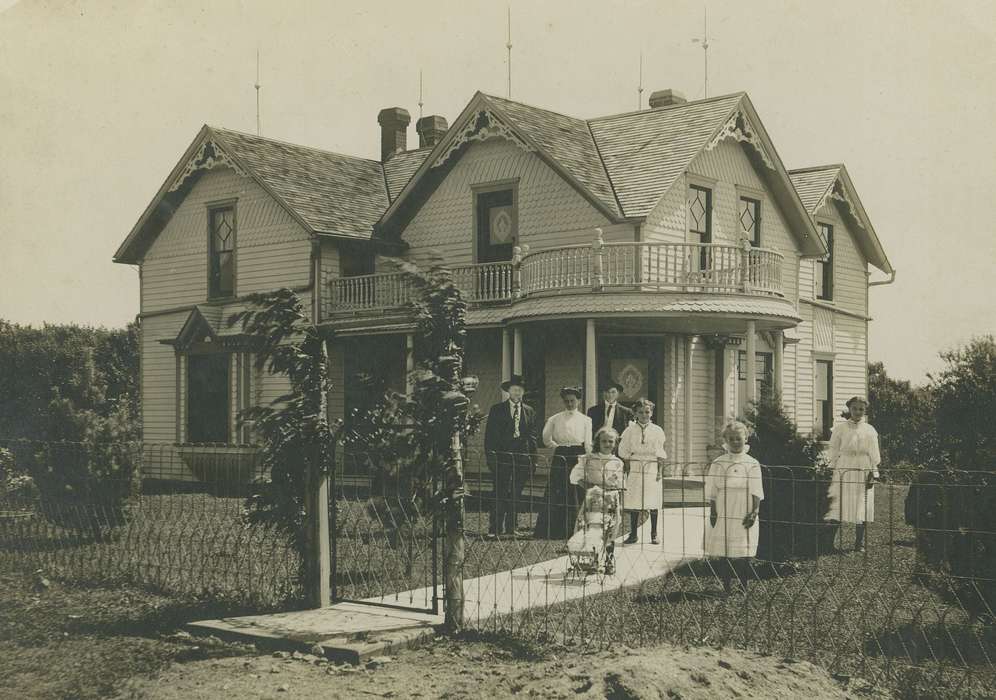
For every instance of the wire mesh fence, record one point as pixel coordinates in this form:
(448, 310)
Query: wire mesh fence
(165, 516)
(915, 600)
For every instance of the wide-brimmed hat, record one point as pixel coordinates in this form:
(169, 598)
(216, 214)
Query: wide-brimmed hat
(612, 384)
(570, 391)
(856, 399)
(514, 380)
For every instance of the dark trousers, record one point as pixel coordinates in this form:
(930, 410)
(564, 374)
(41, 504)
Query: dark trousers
(511, 471)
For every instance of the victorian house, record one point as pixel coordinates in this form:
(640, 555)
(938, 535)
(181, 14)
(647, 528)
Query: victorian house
(667, 248)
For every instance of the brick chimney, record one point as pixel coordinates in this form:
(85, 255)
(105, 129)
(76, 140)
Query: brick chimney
(431, 130)
(666, 98)
(394, 123)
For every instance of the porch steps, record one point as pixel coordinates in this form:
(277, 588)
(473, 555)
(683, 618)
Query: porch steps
(346, 632)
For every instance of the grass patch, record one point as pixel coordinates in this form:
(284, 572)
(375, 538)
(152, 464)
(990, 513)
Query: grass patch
(77, 642)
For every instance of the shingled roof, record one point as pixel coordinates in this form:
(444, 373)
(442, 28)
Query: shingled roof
(645, 152)
(813, 184)
(817, 184)
(622, 163)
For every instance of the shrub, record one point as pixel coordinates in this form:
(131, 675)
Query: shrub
(18, 492)
(953, 504)
(796, 485)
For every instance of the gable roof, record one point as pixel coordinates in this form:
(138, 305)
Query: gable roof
(399, 168)
(566, 140)
(644, 152)
(623, 164)
(326, 193)
(819, 184)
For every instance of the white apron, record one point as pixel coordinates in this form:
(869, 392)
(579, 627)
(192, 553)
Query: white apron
(853, 456)
(642, 447)
(731, 482)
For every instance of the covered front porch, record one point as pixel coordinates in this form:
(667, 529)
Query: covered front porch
(693, 365)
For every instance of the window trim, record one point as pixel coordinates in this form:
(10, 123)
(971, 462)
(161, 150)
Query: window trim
(493, 186)
(825, 268)
(210, 208)
(768, 358)
(201, 351)
(829, 359)
(743, 196)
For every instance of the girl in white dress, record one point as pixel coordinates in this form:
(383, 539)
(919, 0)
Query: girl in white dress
(854, 458)
(642, 449)
(734, 490)
(598, 523)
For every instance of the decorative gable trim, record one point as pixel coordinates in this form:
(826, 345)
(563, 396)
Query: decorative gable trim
(208, 157)
(738, 127)
(483, 126)
(838, 193)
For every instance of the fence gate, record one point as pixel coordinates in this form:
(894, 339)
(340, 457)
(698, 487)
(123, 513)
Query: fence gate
(384, 549)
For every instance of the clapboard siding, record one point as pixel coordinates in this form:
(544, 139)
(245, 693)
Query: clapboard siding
(850, 269)
(805, 372)
(703, 401)
(272, 249)
(550, 212)
(736, 176)
(850, 375)
(667, 222)
(790, 379)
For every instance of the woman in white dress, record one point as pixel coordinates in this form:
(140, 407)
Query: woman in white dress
(642, 449)
(734, 490)
(854, 458)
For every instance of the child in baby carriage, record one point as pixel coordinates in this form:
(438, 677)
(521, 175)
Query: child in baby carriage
(591, 548)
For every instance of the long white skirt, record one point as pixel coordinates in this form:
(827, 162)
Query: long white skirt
(643, 490)
(850, 500)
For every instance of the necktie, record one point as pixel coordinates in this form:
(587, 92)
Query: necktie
(609, 415)
(515, 420)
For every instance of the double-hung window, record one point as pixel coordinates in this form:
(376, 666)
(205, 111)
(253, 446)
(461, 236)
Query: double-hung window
(824, 266)
(700, 220)
(221, 246)
(764, 372)
(208, 397)
(824, 398)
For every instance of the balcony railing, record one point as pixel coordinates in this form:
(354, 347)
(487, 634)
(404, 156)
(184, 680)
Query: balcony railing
(657, 267)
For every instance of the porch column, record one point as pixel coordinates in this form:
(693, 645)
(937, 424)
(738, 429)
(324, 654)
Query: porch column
(777, 361)
(752, 361)
(506, 357)
(517, 351)
(688, 408)
(590, 366)
(722, 398)
(409, 361)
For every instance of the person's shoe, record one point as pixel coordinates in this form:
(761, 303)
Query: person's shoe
(653, 539)
(491, 537)
(630, 540)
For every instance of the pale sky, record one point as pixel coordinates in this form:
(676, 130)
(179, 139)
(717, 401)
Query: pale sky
(98, 100)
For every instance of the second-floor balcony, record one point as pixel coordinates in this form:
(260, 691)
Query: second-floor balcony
(709, 268)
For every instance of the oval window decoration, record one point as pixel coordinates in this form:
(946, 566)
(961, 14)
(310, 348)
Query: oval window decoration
(502, 228)
(632, 381)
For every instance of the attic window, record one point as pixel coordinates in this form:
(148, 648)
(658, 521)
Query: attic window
(824, 266)
(221, 223)
(750, 220)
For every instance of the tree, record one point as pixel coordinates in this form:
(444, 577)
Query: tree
(294, 429)
(899, 412)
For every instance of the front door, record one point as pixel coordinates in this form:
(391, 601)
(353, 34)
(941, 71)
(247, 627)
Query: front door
(633, 362)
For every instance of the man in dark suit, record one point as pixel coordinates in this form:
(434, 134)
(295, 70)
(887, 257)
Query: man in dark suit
(609, 412)
(510, 440)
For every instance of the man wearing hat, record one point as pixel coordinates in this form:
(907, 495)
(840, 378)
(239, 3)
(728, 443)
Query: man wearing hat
(510, 445)
(609, 413)
(569, 434)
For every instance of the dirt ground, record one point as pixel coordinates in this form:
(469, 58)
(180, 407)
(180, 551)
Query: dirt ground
(476, 669)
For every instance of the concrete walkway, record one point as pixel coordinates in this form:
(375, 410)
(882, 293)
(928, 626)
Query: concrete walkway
(548, 582)
(356, 631)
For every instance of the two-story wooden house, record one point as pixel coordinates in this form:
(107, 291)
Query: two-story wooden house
(662, 248)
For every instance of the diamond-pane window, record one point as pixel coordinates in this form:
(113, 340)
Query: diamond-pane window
(699, 214)
(222, 225)
(750, 220)
(824, 266)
